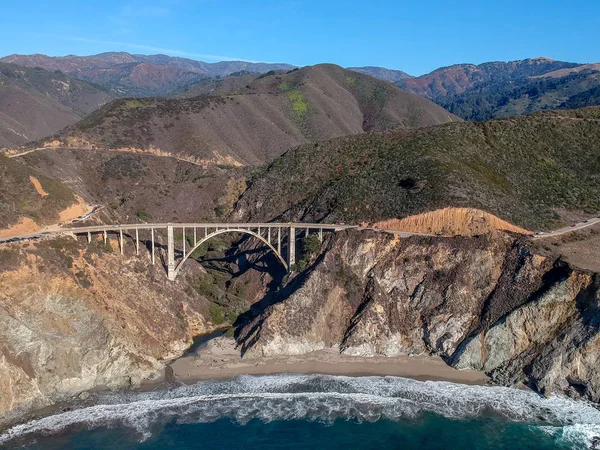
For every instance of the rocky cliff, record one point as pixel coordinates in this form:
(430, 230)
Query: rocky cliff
(76, 316)
(487, 302)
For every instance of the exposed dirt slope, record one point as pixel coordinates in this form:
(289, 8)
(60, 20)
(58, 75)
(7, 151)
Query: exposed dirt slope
(273, 114)
(450, 222)
(136, 187)
(28, 197)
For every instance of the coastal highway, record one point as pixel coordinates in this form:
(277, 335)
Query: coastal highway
(56, 230)
(575, 227)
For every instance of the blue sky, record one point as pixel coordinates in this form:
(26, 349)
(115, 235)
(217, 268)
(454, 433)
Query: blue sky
(414, 36)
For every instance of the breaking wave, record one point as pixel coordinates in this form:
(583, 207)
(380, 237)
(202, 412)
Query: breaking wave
(321, 398)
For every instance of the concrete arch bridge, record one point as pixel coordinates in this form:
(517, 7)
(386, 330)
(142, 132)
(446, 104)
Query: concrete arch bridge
(272, 234)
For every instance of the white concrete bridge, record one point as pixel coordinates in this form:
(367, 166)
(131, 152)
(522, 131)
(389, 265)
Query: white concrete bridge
(271, 234)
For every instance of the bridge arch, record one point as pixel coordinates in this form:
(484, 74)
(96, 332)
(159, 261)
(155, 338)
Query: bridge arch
(223, 231)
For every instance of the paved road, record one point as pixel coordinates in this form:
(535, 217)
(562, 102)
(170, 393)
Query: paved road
(186, 158)
(55, 231)
(575, 227)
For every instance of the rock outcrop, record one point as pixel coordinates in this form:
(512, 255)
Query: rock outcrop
(76, 317)
(487, 303)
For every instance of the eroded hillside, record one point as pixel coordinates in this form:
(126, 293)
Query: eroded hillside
(29, 198)
(137, 187)
(35, 102)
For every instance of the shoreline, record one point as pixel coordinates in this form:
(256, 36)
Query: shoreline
(219, 360)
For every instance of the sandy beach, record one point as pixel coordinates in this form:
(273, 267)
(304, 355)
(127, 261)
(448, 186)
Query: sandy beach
(219, 359)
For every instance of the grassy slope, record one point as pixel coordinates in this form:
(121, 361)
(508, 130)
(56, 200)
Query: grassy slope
(18, 197)
(520, 169)
(270, 115)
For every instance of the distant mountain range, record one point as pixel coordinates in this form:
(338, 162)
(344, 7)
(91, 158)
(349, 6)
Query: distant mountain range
(503, 89)
(127, 75)
(382, 73)
(41, 94)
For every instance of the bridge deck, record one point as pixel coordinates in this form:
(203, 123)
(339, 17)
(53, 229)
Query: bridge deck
(190, 226)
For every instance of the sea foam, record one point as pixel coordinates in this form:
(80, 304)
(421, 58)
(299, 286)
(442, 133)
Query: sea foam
(323, 398)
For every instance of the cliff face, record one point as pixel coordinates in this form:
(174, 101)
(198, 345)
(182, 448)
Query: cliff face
(77, 316)
(483, 303)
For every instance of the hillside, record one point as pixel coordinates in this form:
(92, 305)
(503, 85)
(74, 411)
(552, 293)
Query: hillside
(127, 75)
(504, 89)
(523, 170)
(35, 102)
(142, 187)
(29, 198)
(575, 89)
(460, 78)
(273, 113)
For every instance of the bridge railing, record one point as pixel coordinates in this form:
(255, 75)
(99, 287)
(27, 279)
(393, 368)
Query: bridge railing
(207, 229)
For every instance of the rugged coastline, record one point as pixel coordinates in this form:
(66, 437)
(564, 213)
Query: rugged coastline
(367, 303)
(488, 303)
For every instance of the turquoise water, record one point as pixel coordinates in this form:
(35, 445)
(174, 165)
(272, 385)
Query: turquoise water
(317, 411)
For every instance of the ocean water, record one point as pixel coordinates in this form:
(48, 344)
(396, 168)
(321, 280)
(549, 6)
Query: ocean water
(317, 412)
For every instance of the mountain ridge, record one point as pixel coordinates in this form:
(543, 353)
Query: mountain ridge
(272, 114)
(116, 71)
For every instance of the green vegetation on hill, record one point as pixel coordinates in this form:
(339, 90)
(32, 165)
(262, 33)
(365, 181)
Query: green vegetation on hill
(522, 169)
(19, 198)
(503, 89)
(498, 100)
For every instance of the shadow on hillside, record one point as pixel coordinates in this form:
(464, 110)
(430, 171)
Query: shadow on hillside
(247, 326)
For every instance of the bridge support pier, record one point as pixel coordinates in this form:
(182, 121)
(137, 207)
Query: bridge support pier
(321, 235)
(279, 240)
(121, 240)
(152, 232)
(137, 242)
(170, 253)
(292, 248)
